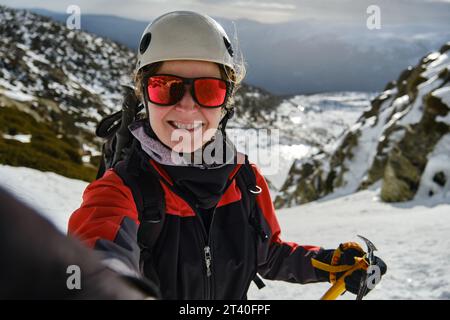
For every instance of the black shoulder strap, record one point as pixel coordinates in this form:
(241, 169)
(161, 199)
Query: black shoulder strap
(148, 197)
(248, 181)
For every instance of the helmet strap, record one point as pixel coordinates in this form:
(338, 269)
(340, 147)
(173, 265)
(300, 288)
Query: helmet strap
(223, 123)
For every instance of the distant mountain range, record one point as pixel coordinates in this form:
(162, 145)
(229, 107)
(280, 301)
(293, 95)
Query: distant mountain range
(306, 56)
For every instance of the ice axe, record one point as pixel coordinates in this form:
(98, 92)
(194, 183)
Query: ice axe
(361, 263)
(369, 255)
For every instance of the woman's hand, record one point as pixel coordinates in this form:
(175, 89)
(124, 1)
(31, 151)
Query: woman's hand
(345, 255)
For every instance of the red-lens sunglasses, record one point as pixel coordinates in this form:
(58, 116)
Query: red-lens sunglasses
(167, 90)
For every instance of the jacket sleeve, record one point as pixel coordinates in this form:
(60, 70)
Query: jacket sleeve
(279, 260)
(108, 222)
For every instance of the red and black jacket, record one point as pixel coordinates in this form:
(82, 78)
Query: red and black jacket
(189, 261)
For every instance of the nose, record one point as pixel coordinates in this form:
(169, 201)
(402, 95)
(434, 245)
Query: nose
(187, 103)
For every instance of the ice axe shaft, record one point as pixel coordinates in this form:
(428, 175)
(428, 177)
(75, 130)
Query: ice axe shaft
(339, 286)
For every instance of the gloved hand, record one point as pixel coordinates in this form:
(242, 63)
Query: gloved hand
(36, 256)
(344, 255)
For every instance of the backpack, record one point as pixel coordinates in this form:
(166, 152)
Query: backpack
(119, 151)
(114, 129)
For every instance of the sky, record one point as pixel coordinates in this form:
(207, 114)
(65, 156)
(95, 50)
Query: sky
(267, 11)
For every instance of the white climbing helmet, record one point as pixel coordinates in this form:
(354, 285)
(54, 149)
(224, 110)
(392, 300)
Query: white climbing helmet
(184, 35)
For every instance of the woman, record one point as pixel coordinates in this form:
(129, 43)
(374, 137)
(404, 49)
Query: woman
(217, 230)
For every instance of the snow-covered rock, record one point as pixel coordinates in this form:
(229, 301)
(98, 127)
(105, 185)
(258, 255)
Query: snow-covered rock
(43, 60)
(390, 142)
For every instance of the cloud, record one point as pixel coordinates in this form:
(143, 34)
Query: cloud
(264, 5)
(267, 11)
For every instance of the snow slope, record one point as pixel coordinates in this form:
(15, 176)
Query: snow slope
(412, 238)
(55, 196)
(305, 123)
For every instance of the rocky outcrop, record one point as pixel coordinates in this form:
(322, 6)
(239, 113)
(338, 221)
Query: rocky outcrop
(390, 143)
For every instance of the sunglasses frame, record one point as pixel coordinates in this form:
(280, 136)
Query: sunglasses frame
(186, 81)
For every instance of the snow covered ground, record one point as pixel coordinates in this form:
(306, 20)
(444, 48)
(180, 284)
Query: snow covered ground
(412, 238)
(55, 196)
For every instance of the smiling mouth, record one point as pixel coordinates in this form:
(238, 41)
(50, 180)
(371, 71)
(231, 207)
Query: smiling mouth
(186, 126)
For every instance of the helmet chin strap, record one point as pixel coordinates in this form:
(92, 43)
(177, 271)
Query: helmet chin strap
(223, 123)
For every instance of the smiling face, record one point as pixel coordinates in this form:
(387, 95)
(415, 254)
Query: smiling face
(185, 126)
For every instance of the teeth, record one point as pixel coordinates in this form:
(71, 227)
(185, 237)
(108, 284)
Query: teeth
(187, 126)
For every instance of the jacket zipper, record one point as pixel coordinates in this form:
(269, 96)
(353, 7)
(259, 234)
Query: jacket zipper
(206, 245)
(206, 239)
(207, 253)
(207, 250)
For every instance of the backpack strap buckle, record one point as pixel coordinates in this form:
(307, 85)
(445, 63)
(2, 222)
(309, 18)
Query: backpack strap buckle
(257, 190)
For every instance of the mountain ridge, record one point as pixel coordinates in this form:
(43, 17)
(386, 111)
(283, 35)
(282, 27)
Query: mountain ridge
(390, 144)
(311, 56)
